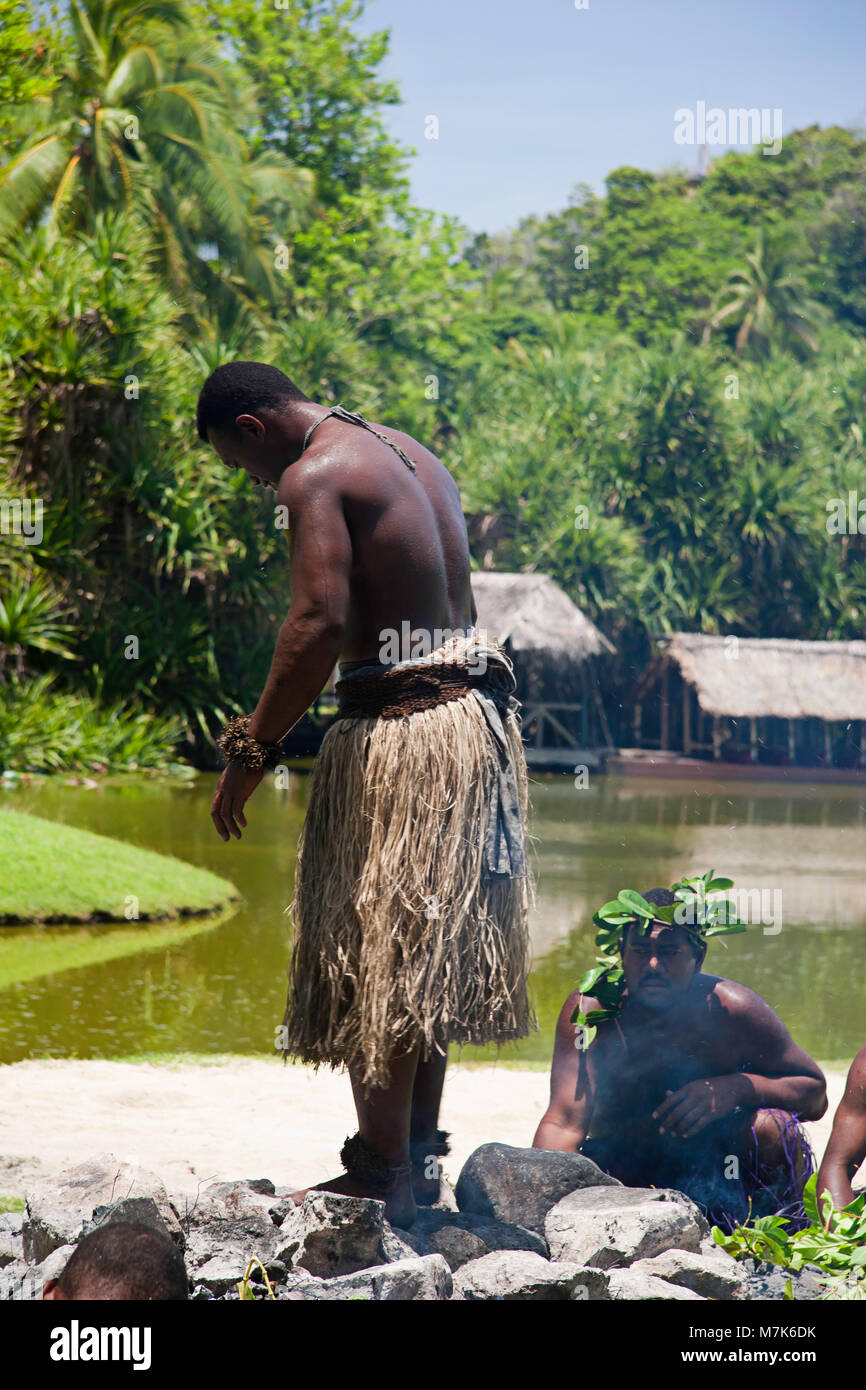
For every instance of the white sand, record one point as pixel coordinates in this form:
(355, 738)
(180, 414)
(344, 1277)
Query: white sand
(233, 1118)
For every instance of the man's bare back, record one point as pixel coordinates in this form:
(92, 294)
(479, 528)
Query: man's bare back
(410, 554)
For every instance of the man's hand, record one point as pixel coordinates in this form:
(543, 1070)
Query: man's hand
(690, 1109)
(236, 785)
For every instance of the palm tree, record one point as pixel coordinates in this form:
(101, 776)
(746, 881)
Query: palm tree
(144, 119)
(768, 299)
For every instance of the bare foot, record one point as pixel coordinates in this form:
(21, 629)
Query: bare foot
(400, 1206)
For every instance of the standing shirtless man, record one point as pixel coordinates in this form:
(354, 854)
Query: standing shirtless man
(411, 887)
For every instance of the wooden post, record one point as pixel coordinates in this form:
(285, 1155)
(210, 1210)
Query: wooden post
(665, 733)
(717, 738)
(861, 756)
(828, 742)
(792, 741)
(753, 740)
(687, 718)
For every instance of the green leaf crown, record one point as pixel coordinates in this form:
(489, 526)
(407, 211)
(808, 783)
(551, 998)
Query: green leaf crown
(699, 910)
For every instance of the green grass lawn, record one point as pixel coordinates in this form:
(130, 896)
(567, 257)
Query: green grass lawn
(54, 873)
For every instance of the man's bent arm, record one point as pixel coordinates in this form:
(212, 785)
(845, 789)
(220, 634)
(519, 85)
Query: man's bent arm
(565, 1123)
(311, 637)
(847, 1147)
(777, 1074)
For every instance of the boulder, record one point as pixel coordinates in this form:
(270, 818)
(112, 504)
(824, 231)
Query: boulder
(457, 1246)
(58, 1207)
(520, 1186)
(634, 1284)
(522, 1276)
(606, 1227)
(395, 1245)
(712, 1275)
(221, 1272)
(11, 1242)
(50, 1268)
(329, 1235)
(421, 1279)
(142, 1210)
(495, 1235)
(769, 1281)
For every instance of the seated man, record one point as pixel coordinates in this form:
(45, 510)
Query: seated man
(122, 1260)
(847, 1147)
(691, 1082)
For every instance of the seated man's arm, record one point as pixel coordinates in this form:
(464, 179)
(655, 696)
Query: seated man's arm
(778, 1074)
(775, 1073)
(566, 1121)
(847, 1147)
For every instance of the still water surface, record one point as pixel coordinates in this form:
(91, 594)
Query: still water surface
(223, 989)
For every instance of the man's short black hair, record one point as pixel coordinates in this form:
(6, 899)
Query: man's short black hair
(663, 897)
(125, 1260)
(242, 388)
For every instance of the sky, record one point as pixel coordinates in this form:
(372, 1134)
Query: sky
(534, 98)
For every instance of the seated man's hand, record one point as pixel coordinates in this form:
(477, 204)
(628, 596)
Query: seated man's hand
(690, 1109)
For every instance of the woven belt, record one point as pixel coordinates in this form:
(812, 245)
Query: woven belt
(402, 692)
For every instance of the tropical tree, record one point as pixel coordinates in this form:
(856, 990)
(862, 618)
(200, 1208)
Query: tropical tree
(768, 300)
(144, 119)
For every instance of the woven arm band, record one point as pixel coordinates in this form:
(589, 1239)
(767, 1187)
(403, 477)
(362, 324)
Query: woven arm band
(237, 745)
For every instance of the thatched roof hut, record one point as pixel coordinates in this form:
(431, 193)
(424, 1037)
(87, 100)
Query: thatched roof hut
(537, 619)
(553, 645)
(757, 677)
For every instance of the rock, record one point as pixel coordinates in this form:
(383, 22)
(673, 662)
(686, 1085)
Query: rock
(603, 1226)
(457, 1246)
(11, 1241)
(395, 1245)
(421, 1279)
(769, 1281)
(142, 1210)
(329, 1235)
(712, 1275)
(229, 1218)
(520, 1275)
(50, 1268)
(262, 1185)
(221, 1272)
(58, 1207)
(20, 1282)
(447, 1199)
(634, 1284)
(521, 1185)
(496, 1235)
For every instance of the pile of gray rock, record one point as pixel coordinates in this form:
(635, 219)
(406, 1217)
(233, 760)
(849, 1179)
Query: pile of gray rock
(520, 1224)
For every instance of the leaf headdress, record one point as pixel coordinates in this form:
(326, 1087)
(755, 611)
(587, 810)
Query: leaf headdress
(698, 909)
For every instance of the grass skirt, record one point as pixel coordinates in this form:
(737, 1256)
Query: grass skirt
(401, 938)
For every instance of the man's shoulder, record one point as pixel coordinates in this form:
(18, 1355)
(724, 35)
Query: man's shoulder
(735, 998)
(314, 474)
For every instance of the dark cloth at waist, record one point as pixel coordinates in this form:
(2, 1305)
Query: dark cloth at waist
(393, 692)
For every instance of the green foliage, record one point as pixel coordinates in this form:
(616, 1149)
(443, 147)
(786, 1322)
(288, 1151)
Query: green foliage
(43, 729)
(835, 1246)
(160, 154)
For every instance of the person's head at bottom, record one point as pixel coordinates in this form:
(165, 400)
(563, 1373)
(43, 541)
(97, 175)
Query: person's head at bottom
(122, 1260)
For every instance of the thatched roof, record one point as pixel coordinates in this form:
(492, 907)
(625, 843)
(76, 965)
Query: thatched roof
(773, 676)
(534, 614)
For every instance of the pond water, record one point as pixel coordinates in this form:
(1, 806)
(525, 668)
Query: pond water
(222, 988)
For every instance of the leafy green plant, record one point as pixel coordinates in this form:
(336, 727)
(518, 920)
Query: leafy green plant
(834, 1244)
